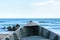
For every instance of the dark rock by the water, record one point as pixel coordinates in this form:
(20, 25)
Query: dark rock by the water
(6, 38)
(9, 28)
(17, 25)
(14, 28)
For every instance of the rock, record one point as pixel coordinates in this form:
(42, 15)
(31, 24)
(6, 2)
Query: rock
(9, 28)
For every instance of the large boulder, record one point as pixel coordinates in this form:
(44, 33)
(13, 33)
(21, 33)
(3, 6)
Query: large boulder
(9, 28)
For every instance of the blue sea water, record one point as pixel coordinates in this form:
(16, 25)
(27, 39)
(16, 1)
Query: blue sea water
(50, 23)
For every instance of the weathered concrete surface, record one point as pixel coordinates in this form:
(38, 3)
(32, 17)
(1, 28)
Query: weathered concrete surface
(34, 38)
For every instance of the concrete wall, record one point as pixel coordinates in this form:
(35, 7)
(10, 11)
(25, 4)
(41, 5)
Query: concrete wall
(18, 34)
(48, 34)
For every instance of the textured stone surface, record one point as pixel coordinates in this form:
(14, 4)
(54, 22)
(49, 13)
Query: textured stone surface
(15, 36)
(58, 37)
(53, 36)
(46, 33)
(6, 38)
(34, 38)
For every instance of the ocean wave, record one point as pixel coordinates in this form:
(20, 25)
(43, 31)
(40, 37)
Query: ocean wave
(2, 21)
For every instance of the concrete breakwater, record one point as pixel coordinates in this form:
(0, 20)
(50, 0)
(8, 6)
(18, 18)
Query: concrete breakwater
(32, 30)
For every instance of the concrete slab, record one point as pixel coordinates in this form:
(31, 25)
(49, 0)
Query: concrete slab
(34, 38)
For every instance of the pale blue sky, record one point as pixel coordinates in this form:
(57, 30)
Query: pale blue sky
(29, 8)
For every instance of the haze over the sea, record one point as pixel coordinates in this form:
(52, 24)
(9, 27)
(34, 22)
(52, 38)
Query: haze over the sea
(29, 8)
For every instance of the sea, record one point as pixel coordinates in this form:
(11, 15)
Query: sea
(52, 24)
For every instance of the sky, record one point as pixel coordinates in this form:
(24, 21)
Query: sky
(29, 8)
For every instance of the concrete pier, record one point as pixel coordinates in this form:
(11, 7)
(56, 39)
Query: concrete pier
(32, 31)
